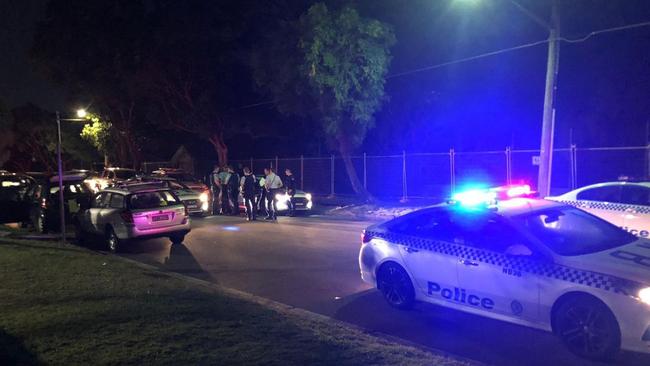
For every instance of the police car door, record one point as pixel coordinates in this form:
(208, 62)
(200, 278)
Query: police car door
(426, 254)
(490, 270)
(637, 209)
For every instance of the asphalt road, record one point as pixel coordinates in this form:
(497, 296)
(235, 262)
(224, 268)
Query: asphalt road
(311, 263)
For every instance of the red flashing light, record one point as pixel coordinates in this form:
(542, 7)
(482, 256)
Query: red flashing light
(518, 191)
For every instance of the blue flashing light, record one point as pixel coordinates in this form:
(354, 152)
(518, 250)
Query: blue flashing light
(231, 228)
(475, 198)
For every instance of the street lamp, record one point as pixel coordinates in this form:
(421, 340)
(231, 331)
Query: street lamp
(81, 113)
(548, 116)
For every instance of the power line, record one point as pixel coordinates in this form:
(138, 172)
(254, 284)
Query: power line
(527, 45)
(608, 30)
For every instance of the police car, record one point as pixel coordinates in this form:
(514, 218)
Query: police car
(624, 204)
(532, 262)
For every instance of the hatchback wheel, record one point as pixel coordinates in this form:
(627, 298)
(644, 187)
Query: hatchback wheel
(395, 284)
(112, 241)
(588, 328)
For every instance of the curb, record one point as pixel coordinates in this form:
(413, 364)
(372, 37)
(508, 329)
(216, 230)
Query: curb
(292, 310)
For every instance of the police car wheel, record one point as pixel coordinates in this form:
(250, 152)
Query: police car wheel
(588, 328)
(395, 285)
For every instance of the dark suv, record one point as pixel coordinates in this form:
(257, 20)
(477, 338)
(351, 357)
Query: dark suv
(15, 199)
(44, 212)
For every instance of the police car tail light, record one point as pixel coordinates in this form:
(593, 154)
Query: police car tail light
(644, 295)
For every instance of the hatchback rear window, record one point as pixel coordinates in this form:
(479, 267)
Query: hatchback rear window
(147, 200)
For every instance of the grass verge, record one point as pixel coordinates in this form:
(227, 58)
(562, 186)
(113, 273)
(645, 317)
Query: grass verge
(65, 305)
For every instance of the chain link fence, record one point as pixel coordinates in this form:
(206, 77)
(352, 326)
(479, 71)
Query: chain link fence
(437, 175)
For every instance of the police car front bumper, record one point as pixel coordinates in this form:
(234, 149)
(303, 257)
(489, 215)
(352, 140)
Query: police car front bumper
(633, 318)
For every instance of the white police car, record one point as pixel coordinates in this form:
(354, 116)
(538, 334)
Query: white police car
(624, 204)
(528, 261)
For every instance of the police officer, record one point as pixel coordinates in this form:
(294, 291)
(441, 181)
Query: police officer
(248, 191)
(233, 191)
(261, 194)
(215, 184)
(291, 185)
(224, 178)
(273, 184)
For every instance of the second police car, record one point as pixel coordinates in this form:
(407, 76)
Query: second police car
(623, 203)
(528, 261)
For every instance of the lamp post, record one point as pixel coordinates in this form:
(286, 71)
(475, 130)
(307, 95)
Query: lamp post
(81, 113)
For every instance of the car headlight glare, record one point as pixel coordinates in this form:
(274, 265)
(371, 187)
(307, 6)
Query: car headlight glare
(644, 295)
(308, 196)
(203, 197)
(282, 197)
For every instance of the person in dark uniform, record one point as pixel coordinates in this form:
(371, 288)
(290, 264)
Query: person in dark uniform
(261, 194)
(215, 184)
(290, 183)
(249, 188)
(233, 191)
(224, 178)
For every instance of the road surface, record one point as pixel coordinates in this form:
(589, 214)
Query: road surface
(311, 263)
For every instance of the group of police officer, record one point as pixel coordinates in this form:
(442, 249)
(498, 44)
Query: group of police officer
(259, 195)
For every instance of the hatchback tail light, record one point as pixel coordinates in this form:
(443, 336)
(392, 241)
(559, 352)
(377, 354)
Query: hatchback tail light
(127, 216)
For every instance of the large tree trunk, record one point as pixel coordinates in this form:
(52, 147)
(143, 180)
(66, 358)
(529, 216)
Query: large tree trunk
(345, 148)
(220, 148)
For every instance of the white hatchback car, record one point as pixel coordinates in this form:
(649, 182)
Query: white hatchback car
(624, 204)
(532, 262)
(140, 212)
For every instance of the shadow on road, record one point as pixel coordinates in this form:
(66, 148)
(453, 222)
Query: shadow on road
(182, 261)
(13, 352)
(485, 340)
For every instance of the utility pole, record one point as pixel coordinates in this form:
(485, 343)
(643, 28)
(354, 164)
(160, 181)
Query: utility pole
(60, 171)
(548, 117)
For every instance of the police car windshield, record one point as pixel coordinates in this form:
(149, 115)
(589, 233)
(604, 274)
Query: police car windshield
(569, 231)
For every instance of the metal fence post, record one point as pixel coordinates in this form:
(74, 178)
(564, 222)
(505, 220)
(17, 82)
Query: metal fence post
(574, 166)
(252, 169)
(404, 186)
(365, 172)
(302, 172)
(508, 165)
(277, 167)
(452, 170)
(332, 175)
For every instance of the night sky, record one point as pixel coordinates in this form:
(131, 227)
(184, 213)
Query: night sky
(603, 85)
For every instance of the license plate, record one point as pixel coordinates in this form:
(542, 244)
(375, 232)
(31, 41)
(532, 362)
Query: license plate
(192, 206)
(300, 204)
(160, 218)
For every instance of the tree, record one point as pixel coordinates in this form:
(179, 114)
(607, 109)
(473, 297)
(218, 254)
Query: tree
(333, 71)
(99, 134)
(7, 137)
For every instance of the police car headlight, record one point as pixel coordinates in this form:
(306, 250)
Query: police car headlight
(203, 197)
(282, 197)
(308, 196)
(644, 295)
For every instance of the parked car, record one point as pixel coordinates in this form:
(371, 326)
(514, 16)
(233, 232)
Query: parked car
(183, 177)
(123, 214)
(111, 176)
(44, 211)
(14, 197)
(196, 203)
